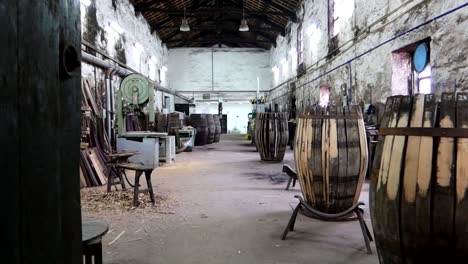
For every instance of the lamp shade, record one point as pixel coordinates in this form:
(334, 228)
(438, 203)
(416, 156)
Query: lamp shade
(244, 26)
(184, 26)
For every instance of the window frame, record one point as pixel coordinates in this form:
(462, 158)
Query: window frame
(300, 45)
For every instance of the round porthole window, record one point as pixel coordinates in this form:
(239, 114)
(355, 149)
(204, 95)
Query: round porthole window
(421, 57)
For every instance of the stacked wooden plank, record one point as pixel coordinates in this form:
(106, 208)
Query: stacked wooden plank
(94, 143)
(331, 157)
(271, 134)
(419, 190)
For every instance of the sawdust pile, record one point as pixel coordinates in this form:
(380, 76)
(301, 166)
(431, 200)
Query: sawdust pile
(97, 200)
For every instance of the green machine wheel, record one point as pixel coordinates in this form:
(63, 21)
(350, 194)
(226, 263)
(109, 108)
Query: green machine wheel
(135, 93)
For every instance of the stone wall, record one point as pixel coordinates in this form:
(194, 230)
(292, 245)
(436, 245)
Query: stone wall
(361, 66)
(113, 27)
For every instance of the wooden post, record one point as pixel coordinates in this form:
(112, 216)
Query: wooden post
(40, 131)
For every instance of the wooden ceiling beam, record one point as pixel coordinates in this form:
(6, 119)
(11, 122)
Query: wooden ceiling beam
(210, 11)
(225, 40)
(292, 14)
(170, 17)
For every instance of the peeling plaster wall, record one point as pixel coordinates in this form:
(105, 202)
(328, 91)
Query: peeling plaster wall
(208, 70)
(369, 78)
(113, 27)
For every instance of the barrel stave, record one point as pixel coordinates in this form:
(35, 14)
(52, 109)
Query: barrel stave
(270, 133)
(425, 221)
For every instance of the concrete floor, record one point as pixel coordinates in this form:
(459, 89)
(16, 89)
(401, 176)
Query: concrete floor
(232, 209)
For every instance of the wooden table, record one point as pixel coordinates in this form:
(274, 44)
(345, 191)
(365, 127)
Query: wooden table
(92, 232)
(114, 160)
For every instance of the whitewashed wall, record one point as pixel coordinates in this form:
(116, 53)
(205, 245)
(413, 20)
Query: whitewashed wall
(368, 24)
(113, 27)
(237, 113)
(197, 70)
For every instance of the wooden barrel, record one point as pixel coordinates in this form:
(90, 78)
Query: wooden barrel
(175, 120)
(199, 122)
(330, 151)
(161, 122)
(217, 122)
(419, 187)
(211, 128)
(271, 133)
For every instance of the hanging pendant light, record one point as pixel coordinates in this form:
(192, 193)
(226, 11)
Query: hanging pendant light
(184, 26)
(243, 26)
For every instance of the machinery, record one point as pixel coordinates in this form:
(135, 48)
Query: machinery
(136, 95)
(258, 106)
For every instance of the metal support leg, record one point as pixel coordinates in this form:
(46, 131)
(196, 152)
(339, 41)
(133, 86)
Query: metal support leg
(289, 183)
(291, 223)
(292, 176)
(365, 231)
(367, 228)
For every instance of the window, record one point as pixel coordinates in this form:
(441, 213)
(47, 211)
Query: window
(405, 79)
(324, 95)
(339, 14)
(276, 73)
(300, 45)
(423, 81)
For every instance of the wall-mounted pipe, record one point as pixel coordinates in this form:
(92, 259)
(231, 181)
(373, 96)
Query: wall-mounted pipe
(110, 102)
(122, 72)
(222, 91)
(86, 57)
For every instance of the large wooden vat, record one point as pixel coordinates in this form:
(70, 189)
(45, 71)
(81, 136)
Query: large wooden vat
(330, 151)
(211, 129)
(217, 122)
(199, 122)
(419, 198)
(271, 133)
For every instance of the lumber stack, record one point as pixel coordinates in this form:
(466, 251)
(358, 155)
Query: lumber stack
(330, 152)
(94, 142)
(419, 190)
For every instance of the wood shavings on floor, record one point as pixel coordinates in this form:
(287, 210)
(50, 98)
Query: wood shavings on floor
(98, 201)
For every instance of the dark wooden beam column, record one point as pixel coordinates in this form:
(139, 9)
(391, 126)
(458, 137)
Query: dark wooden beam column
(40, 131)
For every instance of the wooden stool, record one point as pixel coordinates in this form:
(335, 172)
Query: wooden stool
(92, 233)
(139, 169)
(113, 171)
(292, 176)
